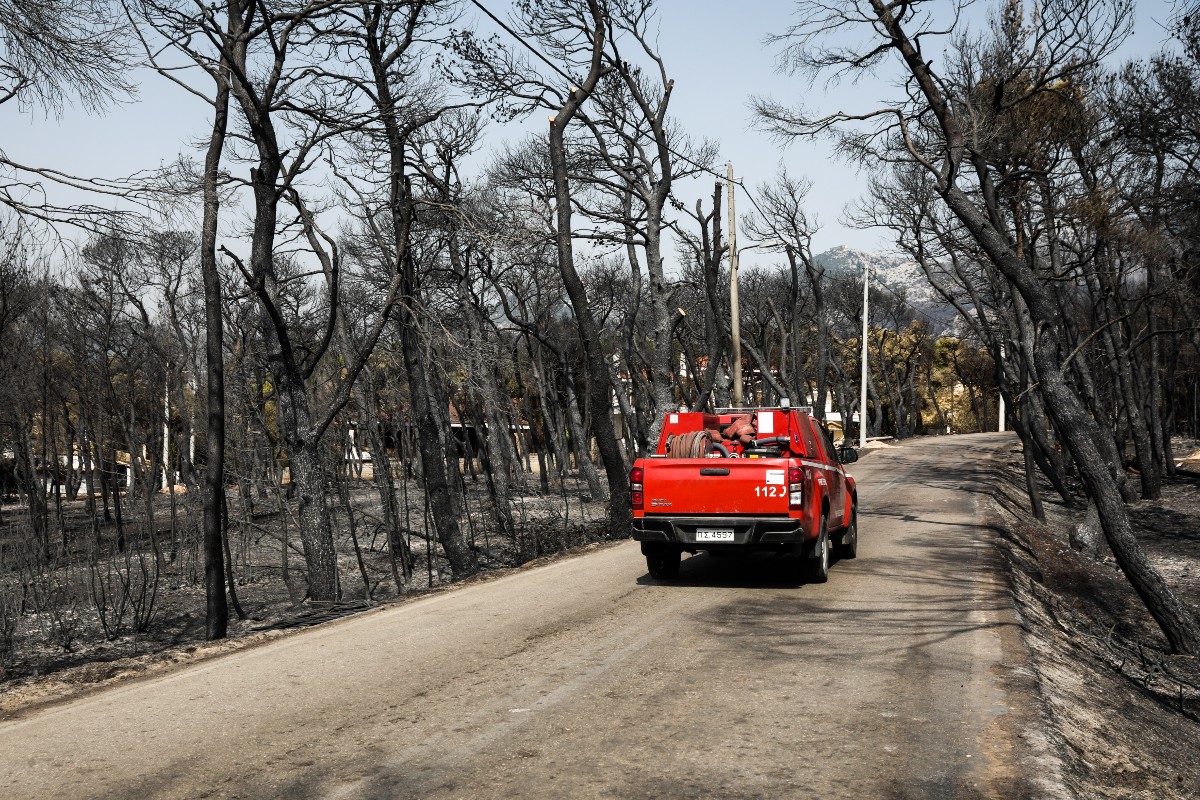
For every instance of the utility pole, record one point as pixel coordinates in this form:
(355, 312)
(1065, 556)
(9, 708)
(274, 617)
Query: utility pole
(735, 321)
(862, 396)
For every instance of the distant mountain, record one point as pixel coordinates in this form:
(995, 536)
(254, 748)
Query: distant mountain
(899, 275)
(891, 270)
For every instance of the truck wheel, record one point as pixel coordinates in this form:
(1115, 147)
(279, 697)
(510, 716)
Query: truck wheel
(848, 546)
(816, 566)
(664, 565)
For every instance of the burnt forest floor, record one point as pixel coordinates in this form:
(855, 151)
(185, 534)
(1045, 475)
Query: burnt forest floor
(57, 649)
(1123, 713)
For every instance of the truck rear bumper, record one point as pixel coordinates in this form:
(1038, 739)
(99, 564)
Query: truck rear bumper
(746, 530)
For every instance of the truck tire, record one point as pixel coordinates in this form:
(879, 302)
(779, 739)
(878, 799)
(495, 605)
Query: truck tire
(816, 566)
(848, 544)
(664, 565)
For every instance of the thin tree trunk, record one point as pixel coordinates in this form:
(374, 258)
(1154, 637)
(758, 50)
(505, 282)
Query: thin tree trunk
(432, 450)
(599, 384)
(216, 617)
(579, 438)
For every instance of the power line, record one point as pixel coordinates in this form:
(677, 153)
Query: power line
(521, 39)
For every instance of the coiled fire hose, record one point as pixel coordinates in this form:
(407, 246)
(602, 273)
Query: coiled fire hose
(742, 428)
(693, 444)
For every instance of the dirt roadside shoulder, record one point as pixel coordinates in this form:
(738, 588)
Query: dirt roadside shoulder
(1123, 716)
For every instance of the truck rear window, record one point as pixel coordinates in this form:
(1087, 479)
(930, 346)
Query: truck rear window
(810, 441)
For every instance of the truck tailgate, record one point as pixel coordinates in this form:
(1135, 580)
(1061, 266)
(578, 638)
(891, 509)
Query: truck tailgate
(722, 486)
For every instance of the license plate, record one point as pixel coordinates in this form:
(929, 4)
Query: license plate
(714, 535)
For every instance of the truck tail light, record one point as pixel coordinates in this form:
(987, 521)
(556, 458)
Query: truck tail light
(637, 497)
(795, 487)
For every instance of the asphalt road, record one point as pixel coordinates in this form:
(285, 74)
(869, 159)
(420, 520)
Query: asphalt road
(899, 678)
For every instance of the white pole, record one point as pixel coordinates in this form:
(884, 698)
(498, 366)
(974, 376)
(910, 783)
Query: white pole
(192, 438)
(166, 463)
(735, 321)
(862, 395)
(1000, 426)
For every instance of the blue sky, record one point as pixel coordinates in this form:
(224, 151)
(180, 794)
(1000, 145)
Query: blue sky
(714, 51)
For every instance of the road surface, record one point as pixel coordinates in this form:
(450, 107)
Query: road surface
(899, 678)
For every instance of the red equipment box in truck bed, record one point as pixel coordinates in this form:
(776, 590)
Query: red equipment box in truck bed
(760, 479)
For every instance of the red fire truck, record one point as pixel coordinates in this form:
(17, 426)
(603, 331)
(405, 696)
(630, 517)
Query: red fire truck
(737, 480)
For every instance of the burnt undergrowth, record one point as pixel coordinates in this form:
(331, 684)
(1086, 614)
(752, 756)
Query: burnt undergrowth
(94, 604)
(1125, 712)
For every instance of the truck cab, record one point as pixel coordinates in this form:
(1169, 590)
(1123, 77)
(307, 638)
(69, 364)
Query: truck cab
(745, 479)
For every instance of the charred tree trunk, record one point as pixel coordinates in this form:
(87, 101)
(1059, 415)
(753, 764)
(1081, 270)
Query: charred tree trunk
(435, 471)
(599, 383)
(482, 357)
(1075, 424)
(709, 256)
(579, 437)
(216, 618)
(551, 431)
(1078, 428)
